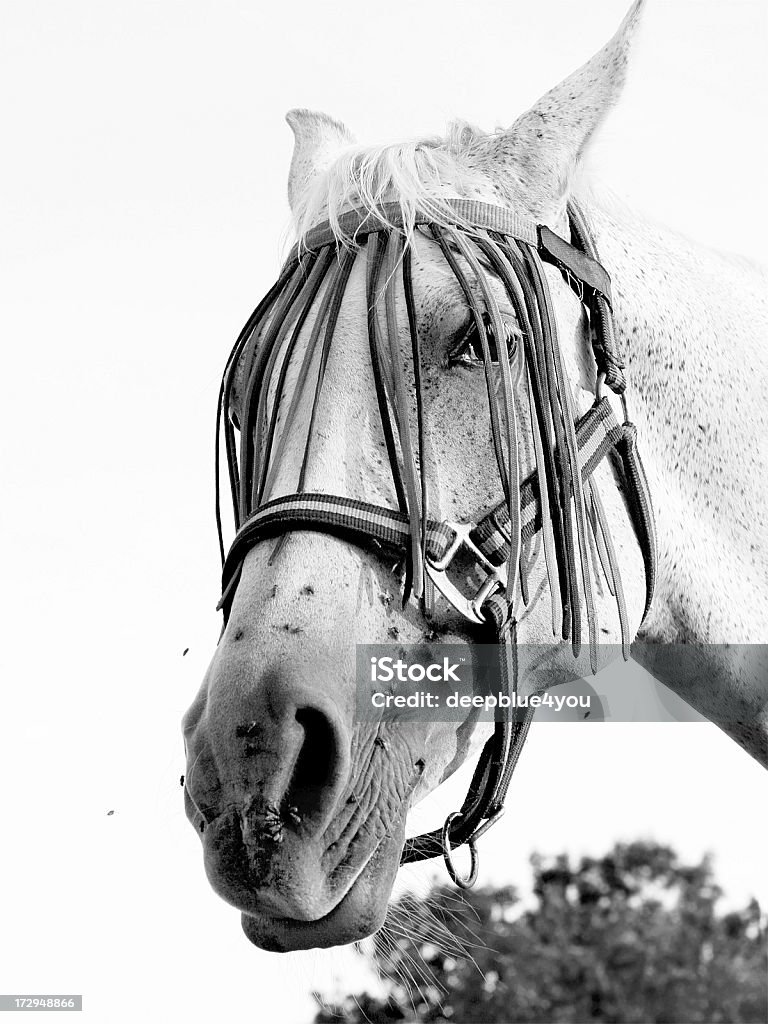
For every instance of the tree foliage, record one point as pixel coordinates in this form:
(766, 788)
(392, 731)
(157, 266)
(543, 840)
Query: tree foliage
(633, 936)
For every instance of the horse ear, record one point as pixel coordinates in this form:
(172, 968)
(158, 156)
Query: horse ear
(541, 149)
(318, 139)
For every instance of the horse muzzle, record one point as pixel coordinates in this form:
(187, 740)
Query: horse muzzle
(357, 914)
(283, 841)
(283, 885)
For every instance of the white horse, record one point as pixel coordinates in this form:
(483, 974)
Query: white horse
(301, 806)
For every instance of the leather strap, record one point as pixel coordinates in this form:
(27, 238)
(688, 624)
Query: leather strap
(597, 433)
(566, 257)
(469, 213)
(609, 361)
(640, 507)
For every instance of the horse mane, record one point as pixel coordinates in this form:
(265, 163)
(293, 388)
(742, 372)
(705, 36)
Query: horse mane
(419, 175)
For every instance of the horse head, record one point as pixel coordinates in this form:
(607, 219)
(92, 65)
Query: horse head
(300, 805)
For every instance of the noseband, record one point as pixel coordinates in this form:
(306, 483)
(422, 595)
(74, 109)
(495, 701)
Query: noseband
(559, 499)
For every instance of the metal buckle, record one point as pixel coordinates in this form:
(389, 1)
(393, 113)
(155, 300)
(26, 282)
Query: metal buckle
(469, 607)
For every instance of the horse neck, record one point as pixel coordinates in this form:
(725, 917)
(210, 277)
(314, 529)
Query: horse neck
(691, 323)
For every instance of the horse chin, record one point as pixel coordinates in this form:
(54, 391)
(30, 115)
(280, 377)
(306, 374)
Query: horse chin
(359, 913)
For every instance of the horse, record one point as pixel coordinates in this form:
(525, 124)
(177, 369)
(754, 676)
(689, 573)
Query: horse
(394, 364)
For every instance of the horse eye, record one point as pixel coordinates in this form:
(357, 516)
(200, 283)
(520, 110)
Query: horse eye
(467, 350)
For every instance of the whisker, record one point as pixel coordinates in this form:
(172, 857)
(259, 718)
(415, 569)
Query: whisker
(187, 790)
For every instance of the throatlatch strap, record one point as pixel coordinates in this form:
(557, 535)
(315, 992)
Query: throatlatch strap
(639, 500)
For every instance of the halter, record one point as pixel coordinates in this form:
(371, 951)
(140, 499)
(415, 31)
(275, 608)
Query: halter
(559, 500)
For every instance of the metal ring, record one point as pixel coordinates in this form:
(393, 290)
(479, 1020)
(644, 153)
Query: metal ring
(469, 881)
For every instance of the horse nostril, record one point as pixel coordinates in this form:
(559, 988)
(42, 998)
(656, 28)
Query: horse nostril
(294, 753)
(317, 764)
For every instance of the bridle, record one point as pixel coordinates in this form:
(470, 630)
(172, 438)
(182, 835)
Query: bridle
(559, 499)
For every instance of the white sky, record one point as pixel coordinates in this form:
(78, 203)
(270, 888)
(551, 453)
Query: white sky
(143, 184)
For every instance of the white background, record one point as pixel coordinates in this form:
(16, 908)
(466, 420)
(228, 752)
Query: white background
(143, 207)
